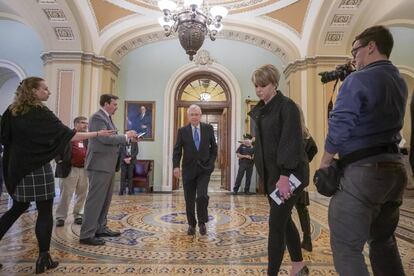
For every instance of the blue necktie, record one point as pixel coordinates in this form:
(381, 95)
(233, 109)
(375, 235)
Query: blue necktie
(196, 138)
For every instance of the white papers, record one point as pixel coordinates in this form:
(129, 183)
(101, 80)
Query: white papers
(294, 184)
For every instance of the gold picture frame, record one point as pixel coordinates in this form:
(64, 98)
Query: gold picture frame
(141, 124)
(249, 126)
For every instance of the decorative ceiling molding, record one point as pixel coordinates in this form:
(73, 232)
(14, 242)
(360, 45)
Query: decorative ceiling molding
(258, 41)
(203, 58)
(233, 6)
(64, 33)
(312, 62)
(106, 13)
(341, 19)
(55, 14)
(299, 9)
(46, 1)
(350, 4)
(85, 58)
(334, 38)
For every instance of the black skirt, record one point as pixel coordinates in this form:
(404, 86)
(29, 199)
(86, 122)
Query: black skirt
(38, 185)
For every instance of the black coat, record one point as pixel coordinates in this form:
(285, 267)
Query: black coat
(64, 161)
(194, 160)
(30, 141)
(134, 152)
(279, 148)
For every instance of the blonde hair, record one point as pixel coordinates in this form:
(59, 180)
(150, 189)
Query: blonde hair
(266, 74)
(25, 99)
(305, 130)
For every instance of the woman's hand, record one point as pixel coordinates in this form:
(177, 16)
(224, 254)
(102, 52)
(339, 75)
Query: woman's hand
(284, 187)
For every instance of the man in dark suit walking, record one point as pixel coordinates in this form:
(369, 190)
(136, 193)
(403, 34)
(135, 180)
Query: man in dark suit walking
(102, 159)
(198, 142)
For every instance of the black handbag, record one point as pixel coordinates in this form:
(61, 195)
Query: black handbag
(327, 179)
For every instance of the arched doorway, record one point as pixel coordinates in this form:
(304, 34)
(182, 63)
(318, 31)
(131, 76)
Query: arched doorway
(10, 76)
(212, 94)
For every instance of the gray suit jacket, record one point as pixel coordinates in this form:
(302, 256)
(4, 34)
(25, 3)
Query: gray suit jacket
(103, 152)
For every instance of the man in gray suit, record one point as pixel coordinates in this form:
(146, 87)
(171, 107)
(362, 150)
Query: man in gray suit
(101, 161)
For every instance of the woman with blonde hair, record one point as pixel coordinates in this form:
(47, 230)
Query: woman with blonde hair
(32, 136)
(279, 153)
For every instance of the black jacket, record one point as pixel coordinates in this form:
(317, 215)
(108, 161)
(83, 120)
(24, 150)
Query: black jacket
(204, 158)
(279, 148)
(64, 161)
(30, 141)
(134, 152)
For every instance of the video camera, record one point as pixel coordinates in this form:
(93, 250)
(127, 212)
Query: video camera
(341, 72)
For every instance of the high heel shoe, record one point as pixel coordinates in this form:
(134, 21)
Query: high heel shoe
(45, 262)
(303, 272)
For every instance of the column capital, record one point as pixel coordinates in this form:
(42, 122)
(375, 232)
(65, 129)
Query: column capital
(84, 58)
(309, 62)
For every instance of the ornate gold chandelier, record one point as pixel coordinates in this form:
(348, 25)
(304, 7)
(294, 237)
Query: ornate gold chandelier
(191, 22)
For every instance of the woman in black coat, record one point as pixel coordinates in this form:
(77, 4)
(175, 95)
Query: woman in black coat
(32, 136)
(279, 153)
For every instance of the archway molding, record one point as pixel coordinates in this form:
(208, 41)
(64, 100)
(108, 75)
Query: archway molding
(170, 91)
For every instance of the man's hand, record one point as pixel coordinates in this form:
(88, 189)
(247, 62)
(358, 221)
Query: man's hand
(176, 172)
(131, 134)
(284, 187)
(127, 160)
(326, 160)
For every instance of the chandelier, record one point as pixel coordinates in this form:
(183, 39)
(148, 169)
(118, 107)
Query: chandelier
(191, 22)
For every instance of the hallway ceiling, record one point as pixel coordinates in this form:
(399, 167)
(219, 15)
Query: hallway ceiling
(289, 29)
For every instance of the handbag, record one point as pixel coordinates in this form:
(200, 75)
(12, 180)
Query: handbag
(327, 179)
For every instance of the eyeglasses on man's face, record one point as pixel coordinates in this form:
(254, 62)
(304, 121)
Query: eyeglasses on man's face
(354, 51)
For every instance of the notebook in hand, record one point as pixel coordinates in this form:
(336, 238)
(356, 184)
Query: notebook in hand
(294, 184)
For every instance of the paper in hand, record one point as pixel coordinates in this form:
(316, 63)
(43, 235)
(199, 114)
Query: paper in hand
(294, 183)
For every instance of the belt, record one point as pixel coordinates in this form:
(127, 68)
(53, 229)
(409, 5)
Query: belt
(382, 165)
(80, 167)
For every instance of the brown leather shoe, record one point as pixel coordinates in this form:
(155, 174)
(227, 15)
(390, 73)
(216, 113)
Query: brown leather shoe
(191, 230)
(203, 229)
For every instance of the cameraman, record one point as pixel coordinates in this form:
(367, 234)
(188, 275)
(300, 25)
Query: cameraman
(367, 118)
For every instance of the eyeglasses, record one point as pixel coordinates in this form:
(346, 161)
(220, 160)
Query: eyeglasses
(355, 50)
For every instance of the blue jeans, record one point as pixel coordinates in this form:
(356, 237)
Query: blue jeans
(366, 209)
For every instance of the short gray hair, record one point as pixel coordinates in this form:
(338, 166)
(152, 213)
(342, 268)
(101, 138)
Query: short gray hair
(193, 106)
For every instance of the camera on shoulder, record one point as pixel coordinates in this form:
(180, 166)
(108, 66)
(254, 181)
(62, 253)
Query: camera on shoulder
(341, 72)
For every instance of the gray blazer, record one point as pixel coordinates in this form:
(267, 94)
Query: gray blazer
(103, 152)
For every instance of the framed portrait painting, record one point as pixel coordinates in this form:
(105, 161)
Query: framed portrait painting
(140, 116)
(249, 124)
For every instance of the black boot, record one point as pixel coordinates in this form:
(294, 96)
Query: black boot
(45, 262)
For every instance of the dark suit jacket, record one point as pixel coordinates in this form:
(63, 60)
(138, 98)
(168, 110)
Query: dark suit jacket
(64, 161)
(193, 160)
(134, 152)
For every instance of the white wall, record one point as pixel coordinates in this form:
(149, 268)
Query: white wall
(22, 46)
(7, 91)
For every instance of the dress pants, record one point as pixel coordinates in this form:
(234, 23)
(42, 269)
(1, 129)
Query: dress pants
(366, 209)
(97, 203)
(77, 182)
(126, 177)
(196, 186)
(244, 166)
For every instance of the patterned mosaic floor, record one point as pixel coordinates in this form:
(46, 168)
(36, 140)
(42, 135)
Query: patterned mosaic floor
(154, 240)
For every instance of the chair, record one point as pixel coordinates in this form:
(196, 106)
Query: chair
(141, 175)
